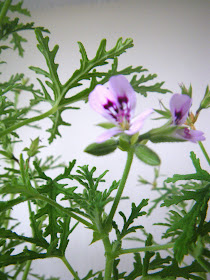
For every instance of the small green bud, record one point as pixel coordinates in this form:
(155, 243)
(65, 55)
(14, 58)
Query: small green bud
(34, 147)
(147, 155)
(102, 149)
(186, 91)
(205, 103)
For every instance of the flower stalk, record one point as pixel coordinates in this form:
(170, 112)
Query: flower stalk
(121, 186)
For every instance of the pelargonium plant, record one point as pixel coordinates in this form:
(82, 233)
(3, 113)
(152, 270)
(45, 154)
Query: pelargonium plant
(25, 178)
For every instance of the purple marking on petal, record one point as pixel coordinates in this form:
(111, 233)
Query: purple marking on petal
(122, 90)
(190, 135)
(180, 105)
(99, 98)
(108, 134)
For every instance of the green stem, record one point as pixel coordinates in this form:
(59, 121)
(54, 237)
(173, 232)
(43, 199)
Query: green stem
(121, 187)
(64, 210)
(28, 265)
(33, 248)
(204, 151)
(70, 268)
(30, 120)
(205, 264)
(109, 258)
(4, 10)
(108, 268)
(146, 249)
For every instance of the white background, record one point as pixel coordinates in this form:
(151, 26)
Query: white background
(172, 39)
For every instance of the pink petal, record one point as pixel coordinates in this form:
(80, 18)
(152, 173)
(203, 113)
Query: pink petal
(137, 122)
(108, 134)
(120, 87)
(190, 135)
(98, 97)
(180, 103)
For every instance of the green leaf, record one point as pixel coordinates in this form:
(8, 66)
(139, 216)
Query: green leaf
(135, 213)
(188, 227)
(146, 155)
(101, 149)
(144, 89)
(205, 103)
(148, 256)
(199, 175)
(34, 147)
(26, 255)
(8, 234)
(17, 40)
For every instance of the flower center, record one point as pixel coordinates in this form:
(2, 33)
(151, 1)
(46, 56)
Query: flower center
(178, 116)
(120, 112)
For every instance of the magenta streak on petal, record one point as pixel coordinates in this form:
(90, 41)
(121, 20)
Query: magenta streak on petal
(111, 108)
(190, 135)
(120, 112)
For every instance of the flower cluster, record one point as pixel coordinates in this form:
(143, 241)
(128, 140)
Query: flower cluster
(117, 104)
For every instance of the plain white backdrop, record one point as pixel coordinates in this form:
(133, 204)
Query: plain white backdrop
(171, 39)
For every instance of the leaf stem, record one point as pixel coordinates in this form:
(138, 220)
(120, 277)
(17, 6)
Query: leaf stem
(4, 10)
(121, 186)
(204, 151)
(146, 249)
(70, 268)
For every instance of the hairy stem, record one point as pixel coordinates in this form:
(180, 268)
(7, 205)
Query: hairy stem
(121, 186)
(70, 268)
(109, 258)
(108, 268)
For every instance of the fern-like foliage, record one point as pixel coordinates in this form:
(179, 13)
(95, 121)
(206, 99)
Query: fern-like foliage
(10, 27)
(59, 95)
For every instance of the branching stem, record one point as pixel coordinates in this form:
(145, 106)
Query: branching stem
(70, 268)
(147, 248)
(30, 120)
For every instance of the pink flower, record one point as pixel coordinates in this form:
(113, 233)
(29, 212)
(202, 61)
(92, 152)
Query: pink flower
(117, 104)
(190, 135)
(180, 105)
